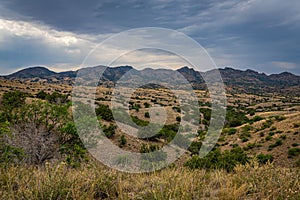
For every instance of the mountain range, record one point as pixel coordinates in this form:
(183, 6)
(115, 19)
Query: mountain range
(248, 81)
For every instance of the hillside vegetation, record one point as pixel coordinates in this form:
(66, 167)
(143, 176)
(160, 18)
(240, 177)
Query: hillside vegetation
(42, 157)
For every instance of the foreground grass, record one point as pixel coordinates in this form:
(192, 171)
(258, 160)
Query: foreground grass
(97, 182)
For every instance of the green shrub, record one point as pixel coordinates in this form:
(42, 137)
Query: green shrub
(41, 95)
(13, 99)
(147, 105)
(294, 151)
(206, 112)
(296, 125)
(104, 112)
(235, 118)
(279, 118)
(147, 115)
(122, 141)
(57, 97)
(176, 109)
(269, 138)
(215, 159)
(232, 131)
(195, 147)
(257, 118)
(139, 121)
(283, 137)
(109, 131)
(271, 133)
(264, 158)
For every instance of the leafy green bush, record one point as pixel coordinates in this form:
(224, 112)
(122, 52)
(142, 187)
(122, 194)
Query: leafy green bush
(294, 151)
(104, 112)
(147, 105)
(216, 159)
(271, 133)
(122, 141)
(257, 118)
(109, 131)
(269, 138)
(57, 97)
(279, 118)
(195, 147)
(13, 99)
(264, 158)
(232, 131)
(139, 121)
(176, 109)
(41, 95)
(296, 125)
(147, 115)
(235, 118)
(206, 112)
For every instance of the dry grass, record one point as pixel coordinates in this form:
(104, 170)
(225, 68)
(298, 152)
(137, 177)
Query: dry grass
(98, 182)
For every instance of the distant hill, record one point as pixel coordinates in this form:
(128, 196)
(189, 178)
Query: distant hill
(31, 72)
(248, 81)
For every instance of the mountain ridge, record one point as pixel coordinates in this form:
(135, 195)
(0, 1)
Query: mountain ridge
(246, 81)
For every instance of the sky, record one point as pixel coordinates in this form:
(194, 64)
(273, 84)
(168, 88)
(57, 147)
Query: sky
(262, 35)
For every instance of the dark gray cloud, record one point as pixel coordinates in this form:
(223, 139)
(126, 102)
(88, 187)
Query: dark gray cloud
(257, 34)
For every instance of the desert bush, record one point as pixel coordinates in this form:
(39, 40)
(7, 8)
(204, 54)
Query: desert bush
(235, 118)
(13, 99)
(264, 158)
(41, 95)
(296, 125)
(279, 118)
(122, 141)
(139, 121)
(109, 131)
(104, 112)
(294, 151)
(8, 153)
(232, 131)
(257, 118)
(71, 146)
(36, 130)
(283, 137)
(195, 147)
(216, 159)
(176, 109)
(57, 98)
(147, 115)
(269, 138)
(206, 112)
(147, 105)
